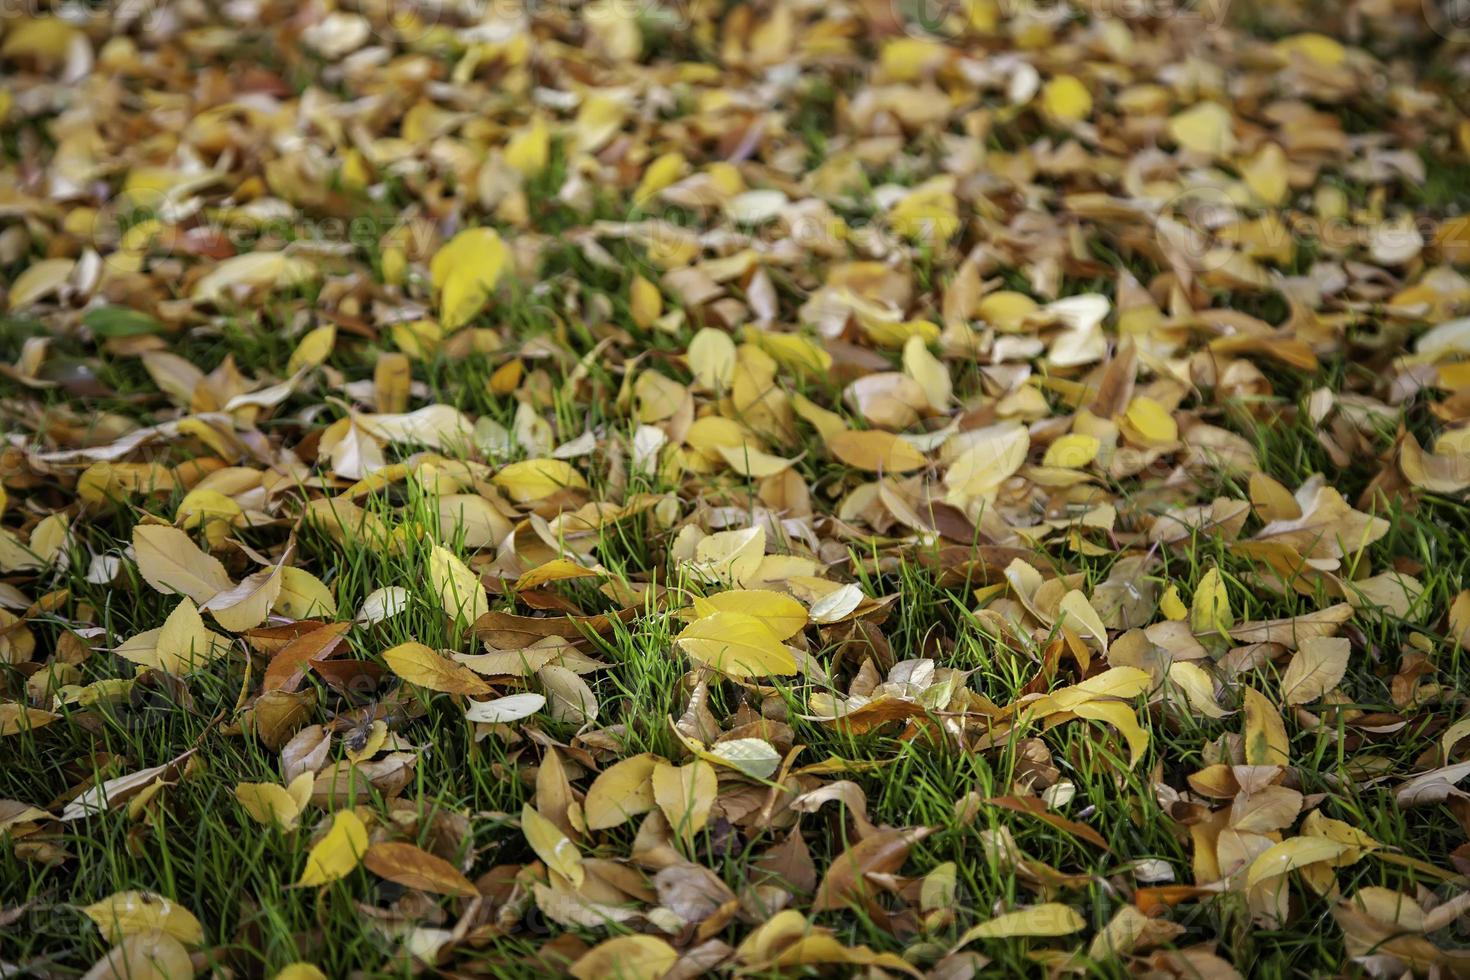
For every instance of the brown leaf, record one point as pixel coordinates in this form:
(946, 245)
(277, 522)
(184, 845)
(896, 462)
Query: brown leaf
(846, 882)
(289, 664)
(413, 867)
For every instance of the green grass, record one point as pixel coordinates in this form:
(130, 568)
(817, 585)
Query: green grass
(193, 843)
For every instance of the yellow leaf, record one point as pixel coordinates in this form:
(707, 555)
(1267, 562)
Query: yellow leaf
(928, 212)
(685, 794)
(1266, 175)
(46, 39)
(131, 912)
(482, 525)
(1075, 605)
(1006, 310)
(392, 380)
(1064, 99)
(1205, 128)
(39, 280)
(645, 302)
(875, 450)
(620, 792)
(1290, 854)
(169, 561)
(104, 483)
(15, 555)
(828, 424)
(460, 590)
(1115, 682)
(662, 172)
(271, 804)
(556, 570)
(1210, 612)
(49, 537)
(897, 333)
(303, 596)
(529, 151)
(534, 479)
(736, 644)
(598, 119)
(246, 605)
(1198, 687)
(552, 846)
(212, 510)
(731, 557)
(627, 958)
(753, 756)
(792, 350)
(657, 397)
(1316, 47)
(1358, 843)
(929, 372)
(990, 457)
(568, 697)
(1150, 423)
(313, 350)
(1316, 668)
(1266, 743)
(184, 643)
(419, 665)
(1072, 451)
(252, 270)
(1120, 716)
(1171, 605)
(751, 462)
(907, 59)
(337, 853)
(1048, 919)
(300, 971)
(466, 271)
(712, 359)
(780, 613)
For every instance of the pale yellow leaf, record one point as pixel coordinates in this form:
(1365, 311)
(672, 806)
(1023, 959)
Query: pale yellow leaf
(169, 561)
(712, 359)
(626, 958)
(1047, 919)
(552, 846)
(1292, 853)
(247, 604)
(460, 590)
(1316, 668)
(303, 596)
(685, 794)
(533, 479)
(620, 792)
(129, 912)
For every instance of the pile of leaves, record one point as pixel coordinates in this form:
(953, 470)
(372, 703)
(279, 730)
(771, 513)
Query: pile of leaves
(648, 490)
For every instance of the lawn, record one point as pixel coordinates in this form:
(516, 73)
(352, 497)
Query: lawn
(750, 489)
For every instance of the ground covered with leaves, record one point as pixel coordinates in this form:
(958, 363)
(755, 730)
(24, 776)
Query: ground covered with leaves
(773, 488)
